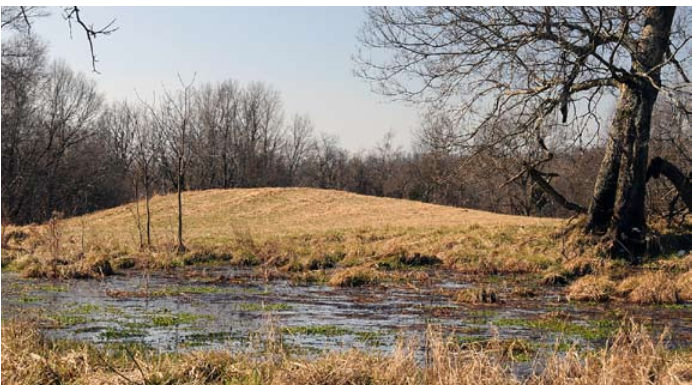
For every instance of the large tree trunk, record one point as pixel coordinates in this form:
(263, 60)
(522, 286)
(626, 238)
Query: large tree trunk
(620, 190)
(630, 212)
(605, 190)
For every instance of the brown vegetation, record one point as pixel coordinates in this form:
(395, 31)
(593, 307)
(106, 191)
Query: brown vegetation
(650, 288)
(591, 288)
(633, 357)
(291, 230)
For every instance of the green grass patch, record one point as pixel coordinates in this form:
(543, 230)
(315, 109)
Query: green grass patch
(67, 320)
(190, 289)
(29, 299)
(317, 330)
(86, 308)
(175, 319)
(593, 331)
(372, 338)
(113, 333)
(466, 339)
(50, 288)
(269, 307)
(199, 339)
(89, 329)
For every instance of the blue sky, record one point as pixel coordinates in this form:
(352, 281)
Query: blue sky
(304, 52)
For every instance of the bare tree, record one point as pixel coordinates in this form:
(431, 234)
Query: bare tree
(175, 120)
(147, 145)
(298, 145)
(545, 67)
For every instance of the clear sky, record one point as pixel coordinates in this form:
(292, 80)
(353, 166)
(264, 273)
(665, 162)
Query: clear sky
(304, 52)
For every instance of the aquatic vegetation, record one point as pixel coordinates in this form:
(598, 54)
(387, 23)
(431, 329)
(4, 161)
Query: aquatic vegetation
(85, 308)
(114, 333)
(371, 338)
(29, 299)
(322, 330)
(165, 320)
(592, 330)
(197, 339)
(67, 320)
(51, 288)
(633, 357)
(268, 307)
(169, 291)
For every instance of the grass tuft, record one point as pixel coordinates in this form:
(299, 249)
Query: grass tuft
(597, 288)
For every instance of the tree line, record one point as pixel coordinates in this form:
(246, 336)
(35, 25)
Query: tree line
(65, 149)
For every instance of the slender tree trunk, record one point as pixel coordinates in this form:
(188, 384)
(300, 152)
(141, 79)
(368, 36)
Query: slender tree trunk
(147, 188)
(138, 218)
(181, 246)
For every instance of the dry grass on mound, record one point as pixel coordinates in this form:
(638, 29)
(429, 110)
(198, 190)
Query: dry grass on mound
(650, 288)
(632, 358)
(591, 288)
(293, 230)
(684, 285)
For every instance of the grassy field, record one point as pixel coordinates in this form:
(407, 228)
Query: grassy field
(293, 228)
(342, 239)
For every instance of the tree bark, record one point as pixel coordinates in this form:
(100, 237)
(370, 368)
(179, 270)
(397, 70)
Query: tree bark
(601, 208)
(618, 206)
(682, 183)
(630, 210)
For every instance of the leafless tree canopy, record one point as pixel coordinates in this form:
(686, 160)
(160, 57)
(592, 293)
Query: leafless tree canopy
(533, 80)
(527, 62)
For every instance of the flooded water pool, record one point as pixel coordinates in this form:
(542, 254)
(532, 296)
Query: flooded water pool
(171, 311)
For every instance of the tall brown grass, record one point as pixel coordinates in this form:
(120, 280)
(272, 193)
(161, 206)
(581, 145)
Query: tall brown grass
(632, 357)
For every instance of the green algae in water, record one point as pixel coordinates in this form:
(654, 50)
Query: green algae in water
(253, 306)
(67, 320)
(113, 333)
(592, 331)
(176, 319)
(312, 330)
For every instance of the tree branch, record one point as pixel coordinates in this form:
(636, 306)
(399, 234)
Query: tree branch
(681, 182)
(560, 199)
(72, 13)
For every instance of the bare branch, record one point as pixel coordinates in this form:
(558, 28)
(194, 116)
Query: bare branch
(73, 13)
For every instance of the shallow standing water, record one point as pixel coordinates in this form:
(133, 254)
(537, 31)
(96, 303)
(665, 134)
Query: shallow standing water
(173, 312)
